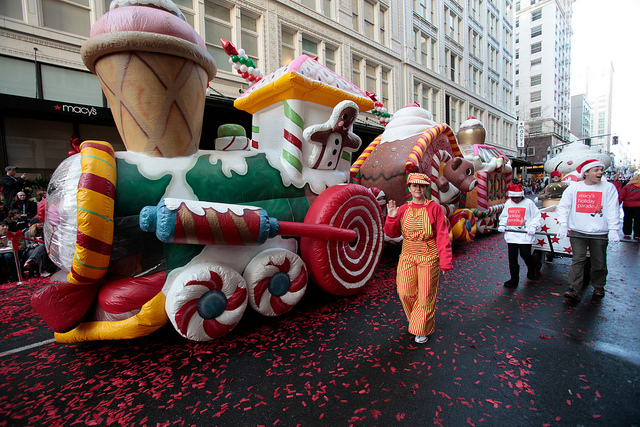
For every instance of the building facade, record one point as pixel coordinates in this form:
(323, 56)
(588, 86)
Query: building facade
(599, 90)
(455, 58)
(581, 125)
(543, 68)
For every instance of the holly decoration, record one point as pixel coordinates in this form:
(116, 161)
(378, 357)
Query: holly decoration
(379, 110)
(241, 62)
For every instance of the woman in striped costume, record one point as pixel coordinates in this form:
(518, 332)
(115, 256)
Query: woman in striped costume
(426, 249)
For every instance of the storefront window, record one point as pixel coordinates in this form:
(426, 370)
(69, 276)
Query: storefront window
(17, 77)
(63, 84)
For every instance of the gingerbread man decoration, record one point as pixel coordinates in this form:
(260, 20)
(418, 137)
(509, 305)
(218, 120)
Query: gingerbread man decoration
(331, 138)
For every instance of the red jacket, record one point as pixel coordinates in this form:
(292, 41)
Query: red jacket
(630, 196)
(392, 228)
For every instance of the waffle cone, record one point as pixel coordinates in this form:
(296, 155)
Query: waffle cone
(157, 100)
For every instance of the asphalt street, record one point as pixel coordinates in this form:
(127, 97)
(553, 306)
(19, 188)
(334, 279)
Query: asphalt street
(499, 356)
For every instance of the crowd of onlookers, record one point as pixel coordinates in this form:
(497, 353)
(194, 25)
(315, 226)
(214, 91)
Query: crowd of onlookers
(18, 212)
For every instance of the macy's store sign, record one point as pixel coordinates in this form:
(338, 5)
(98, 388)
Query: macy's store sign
(76, 109)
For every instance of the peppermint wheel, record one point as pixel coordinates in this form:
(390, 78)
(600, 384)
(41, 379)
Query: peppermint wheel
(463, 226)
(206, 302)
(484, 223)
(276, 281)
(343, 268)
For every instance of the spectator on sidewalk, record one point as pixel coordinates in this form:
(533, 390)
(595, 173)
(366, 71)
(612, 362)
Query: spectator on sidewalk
(27, 208)
(589, 210)
(630, 199)
(11, 185)
(6, 253)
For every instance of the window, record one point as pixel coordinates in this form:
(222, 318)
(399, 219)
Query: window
(535, 15)
(186, 6)
(63, 84)
(217, 25)
(536, 96)
(536, 31)
(427, 96)
(452, 66)
(72, 16)
(535, 128)
(493, 57)
(321, 6)
(531, 151)
(18, 77)
(536, 80)
(295, 43)
(370, 17)
(517, 100)
(536, 64)
(427, 48)
(356, 73)
(426, 9)
(249, 36)
(288, 47)
(476, 80)
(536, 112)
(11, 9)
(536, 47)
(474, 9)
(454, 25)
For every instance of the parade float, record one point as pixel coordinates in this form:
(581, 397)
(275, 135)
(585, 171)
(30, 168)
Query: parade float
(468, 178)
(166, 232)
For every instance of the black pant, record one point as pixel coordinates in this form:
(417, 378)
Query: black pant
(631, 220)
(525, 253)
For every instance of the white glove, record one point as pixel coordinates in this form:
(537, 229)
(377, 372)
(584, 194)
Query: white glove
(502, 229)
(531, 231)
(614, 237)
(562, 232)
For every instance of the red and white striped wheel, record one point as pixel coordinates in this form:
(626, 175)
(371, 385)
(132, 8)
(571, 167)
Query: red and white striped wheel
(276, 281)
(343, 268)
(206, 301)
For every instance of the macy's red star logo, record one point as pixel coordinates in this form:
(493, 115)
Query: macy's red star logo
(57, 107)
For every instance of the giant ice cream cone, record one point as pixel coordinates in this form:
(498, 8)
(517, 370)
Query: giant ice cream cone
(154, 70)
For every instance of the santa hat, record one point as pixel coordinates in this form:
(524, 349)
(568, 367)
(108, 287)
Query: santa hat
(556, 173)
(588, 164)
(515, 190)
(418, 178)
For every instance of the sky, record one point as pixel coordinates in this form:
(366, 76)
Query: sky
(603, 32)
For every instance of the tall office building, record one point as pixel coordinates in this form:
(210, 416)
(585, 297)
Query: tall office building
(543, 65)
(599, 90)
(455, 58)
(581, 126)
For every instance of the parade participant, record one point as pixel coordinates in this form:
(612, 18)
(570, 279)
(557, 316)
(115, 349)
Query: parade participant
(426, 249)
(519, 214)
(11, 185)
(553, 191)
(630, 199)
(589, 209)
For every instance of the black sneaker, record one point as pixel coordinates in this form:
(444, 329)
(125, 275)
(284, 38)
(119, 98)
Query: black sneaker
(511, 283)
(533, 276)
(598, 293)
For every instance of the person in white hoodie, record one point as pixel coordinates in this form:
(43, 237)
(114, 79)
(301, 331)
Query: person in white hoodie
(519, 214)
(589, 212)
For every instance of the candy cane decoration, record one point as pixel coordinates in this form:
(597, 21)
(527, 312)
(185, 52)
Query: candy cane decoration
(355, 169)
(293, 137)
(483, 197)
(415, 157)
(438, 157)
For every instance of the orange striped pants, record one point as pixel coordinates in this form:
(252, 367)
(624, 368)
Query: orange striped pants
(417, 282)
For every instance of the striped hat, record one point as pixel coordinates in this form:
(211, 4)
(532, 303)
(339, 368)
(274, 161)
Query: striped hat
(418, 178)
